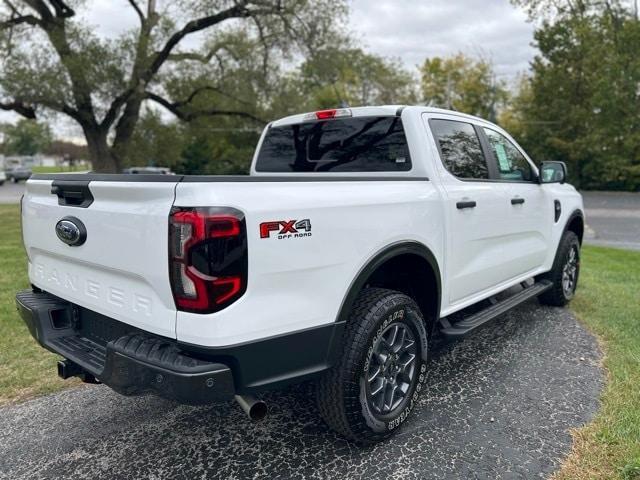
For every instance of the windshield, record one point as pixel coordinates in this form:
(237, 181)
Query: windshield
(360, 144)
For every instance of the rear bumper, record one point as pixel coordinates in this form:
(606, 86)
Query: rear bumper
(133, 363)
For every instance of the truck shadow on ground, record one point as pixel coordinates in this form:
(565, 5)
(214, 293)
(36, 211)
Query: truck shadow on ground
(498, 405)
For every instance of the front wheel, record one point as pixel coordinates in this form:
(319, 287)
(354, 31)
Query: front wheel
(371, 391)
(565, 272)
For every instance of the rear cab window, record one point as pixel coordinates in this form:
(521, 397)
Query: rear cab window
(355, 144)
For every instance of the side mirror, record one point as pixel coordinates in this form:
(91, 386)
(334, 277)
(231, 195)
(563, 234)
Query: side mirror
(553, 172)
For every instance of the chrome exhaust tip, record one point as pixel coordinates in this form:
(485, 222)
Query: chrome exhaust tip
(255, 409)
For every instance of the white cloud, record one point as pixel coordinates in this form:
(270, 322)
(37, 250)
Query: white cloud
(413, 30)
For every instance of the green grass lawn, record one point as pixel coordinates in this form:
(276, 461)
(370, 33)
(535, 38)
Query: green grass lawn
(26, 369)
(608, 303)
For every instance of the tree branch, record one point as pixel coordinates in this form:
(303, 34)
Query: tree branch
(12, 22)
(237, 11)
(20, 108)
(142, 78)
(197, 57)
(42, 9)
(138, 11)
(62, 9)
(187, 116)
(136, 84)
(209, 88)
(17, 18)
(14, 10)
(54, 25)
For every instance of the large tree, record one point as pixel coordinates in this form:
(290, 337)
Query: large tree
(582, 100)
(348, 75)
(51, 62)
(464, 84)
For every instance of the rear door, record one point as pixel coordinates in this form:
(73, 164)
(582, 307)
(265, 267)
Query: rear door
(121, 268)
(476, 210)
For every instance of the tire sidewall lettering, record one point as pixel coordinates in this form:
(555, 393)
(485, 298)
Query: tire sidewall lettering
(411, 318)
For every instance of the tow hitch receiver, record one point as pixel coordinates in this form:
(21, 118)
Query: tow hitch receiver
(68, 369)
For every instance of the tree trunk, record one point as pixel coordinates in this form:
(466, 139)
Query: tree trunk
(102, 158)
(125, 128)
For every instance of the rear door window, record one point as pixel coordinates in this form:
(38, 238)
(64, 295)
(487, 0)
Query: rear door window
(460, 149)
(358, 144)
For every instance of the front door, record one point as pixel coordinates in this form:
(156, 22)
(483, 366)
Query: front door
(529, 208)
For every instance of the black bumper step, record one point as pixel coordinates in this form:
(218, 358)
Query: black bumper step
(81, 351)
(131, 363)
(478, 319)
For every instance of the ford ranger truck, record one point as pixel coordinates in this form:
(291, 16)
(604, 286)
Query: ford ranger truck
(359, 236)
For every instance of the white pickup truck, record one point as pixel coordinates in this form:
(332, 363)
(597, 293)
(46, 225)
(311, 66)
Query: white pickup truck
(359, 236)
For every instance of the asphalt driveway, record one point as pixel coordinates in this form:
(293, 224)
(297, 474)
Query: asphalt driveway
(11, 192)
(499, 404)
(613, 219)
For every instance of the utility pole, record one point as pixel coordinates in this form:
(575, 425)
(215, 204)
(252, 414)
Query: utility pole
(448, 95)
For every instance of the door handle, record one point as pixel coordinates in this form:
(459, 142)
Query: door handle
(517, 201)
(466, 204)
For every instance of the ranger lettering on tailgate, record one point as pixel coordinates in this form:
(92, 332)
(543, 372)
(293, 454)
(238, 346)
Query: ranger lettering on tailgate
(94, 289)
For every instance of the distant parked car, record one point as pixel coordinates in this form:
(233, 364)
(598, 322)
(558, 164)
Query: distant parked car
(3, 178)
(15, 174)
(149, 170)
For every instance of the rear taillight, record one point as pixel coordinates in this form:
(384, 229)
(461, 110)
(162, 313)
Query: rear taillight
(207, 257)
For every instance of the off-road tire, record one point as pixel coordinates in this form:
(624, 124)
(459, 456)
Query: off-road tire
(557, 295)
(344, 397)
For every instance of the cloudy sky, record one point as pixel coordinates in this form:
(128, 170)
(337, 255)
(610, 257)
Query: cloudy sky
(415, 29)
(409, 30)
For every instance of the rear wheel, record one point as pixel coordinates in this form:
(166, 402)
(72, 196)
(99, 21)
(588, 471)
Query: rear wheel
(565, 272)
(382, 369)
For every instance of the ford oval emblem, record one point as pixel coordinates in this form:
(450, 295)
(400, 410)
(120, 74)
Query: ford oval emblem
(71, 231)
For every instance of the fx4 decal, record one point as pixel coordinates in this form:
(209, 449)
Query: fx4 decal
(286, 228)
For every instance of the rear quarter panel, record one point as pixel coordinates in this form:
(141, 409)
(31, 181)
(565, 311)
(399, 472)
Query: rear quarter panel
(300, 282)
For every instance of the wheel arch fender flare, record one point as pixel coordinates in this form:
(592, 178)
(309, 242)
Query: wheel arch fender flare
(576, 214)
(380, 258)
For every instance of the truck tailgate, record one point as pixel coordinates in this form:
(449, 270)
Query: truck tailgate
(121, 269)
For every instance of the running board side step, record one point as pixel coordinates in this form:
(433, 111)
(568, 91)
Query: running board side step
(463, 327)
